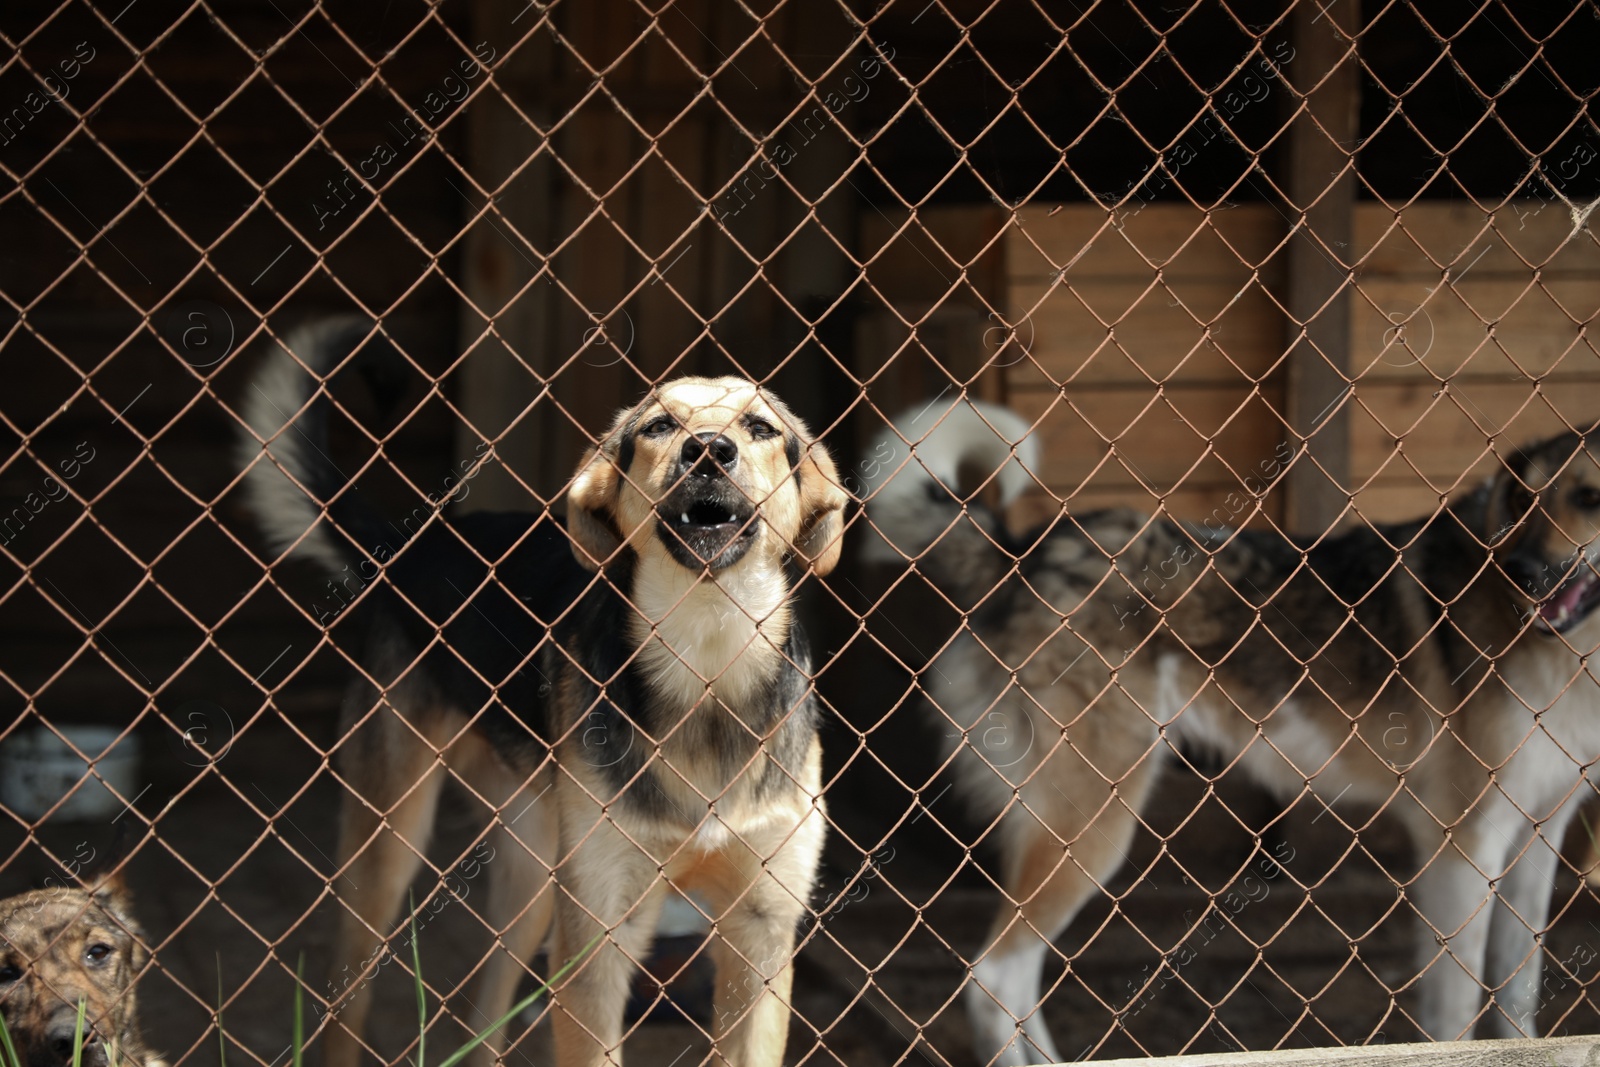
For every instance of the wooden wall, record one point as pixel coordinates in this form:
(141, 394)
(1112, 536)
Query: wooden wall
(1150, 347)
(1499, 350)
(1153, 351)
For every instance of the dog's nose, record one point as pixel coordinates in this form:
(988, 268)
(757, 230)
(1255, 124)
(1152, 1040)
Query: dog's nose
(59, 1034)
(705, 452)
(1527, 572)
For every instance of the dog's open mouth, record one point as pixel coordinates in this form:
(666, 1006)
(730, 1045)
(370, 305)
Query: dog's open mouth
(1571, 602)
(707, 529)
(706, 514)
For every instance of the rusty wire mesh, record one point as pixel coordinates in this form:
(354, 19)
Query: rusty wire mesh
(1205, 251)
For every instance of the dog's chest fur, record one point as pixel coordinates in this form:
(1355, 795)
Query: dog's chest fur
(700, 638)
(699, 689)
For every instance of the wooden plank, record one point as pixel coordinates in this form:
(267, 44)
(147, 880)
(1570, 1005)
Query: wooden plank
(1141, 437)
(1325, 75)
(1425, 237)
(1444, 435)
(1433, 282)
(752, 216)
(659, 329)
(1517, 1052)
(506, 338)
(1204, 329)
(1382, 501)
(1409, 447)
(1403, 501)
(1102, 300)
(1136, 338)
(598, 146)
(1398, 301)
(601, 210)
(1502, 326)
(815, 271)
(1088, 241)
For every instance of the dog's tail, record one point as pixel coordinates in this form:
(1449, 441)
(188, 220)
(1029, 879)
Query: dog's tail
(300, 497)
(912, 474)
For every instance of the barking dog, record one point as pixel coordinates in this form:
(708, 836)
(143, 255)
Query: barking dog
(639, 664)
(1433, 669)
(62, 946)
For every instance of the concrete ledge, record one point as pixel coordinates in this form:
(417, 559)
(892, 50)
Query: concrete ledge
(1524, 1052)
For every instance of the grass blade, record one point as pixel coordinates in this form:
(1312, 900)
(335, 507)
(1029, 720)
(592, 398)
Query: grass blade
(516, 1009)
(77, 1036)
(222, 1040)
(299, 1011)
(422, 999)
(11, 1059)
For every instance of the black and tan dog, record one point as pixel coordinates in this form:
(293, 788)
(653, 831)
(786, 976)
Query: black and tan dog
(628, 691)
(66, 945)
(1434, 670)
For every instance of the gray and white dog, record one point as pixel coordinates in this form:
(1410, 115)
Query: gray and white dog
(1432, 669)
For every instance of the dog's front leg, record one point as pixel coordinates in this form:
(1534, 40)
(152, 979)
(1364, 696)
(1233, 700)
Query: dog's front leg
(385, 822)
(753, 951)
(1454, 898)
(608, 898)
(757, 906)
(1516, 952)
(1515, 955)
(520, 852)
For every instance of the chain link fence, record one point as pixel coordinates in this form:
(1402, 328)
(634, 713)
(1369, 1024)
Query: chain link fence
(1312, 272)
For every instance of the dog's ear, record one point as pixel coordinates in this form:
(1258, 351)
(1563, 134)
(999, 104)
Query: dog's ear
(822, 501)
(592, 500)
(110, 892)
(112, 896)
(1514, 492)
(1510, 500)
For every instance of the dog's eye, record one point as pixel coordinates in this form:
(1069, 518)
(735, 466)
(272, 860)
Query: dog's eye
(657, 427)
(9, 973)
(760, 429)
(97, 952)
(1586, 497)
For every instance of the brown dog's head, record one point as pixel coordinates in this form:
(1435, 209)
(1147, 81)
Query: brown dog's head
(708, 471)
(61, 946)
(1544, 524)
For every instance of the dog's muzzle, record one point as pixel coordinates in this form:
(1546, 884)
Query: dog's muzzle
(53, 1048)
(707, 521)
(1564, 594)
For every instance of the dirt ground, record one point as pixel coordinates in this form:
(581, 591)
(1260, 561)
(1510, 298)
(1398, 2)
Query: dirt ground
(231, 888)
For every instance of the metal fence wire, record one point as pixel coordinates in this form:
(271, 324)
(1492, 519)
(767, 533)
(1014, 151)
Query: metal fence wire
(1206, 667)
